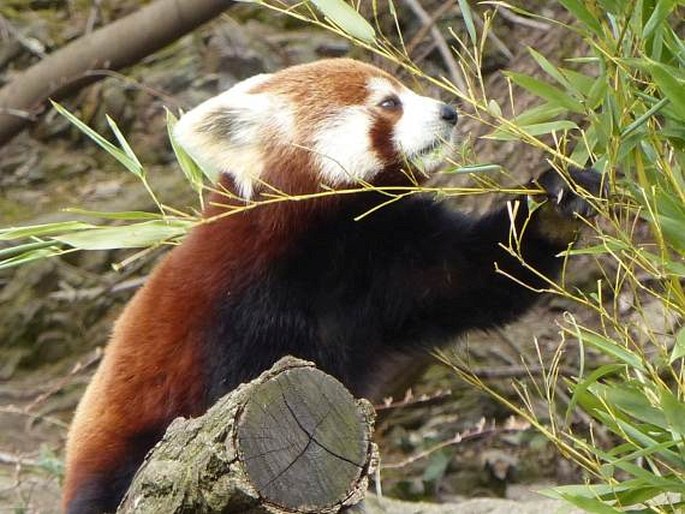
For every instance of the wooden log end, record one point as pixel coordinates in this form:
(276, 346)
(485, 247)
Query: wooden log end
(304, 441)
(293, 440)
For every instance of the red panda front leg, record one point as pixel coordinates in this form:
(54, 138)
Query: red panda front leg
(473, 281)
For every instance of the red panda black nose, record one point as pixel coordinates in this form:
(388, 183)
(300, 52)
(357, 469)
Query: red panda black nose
(449, 114)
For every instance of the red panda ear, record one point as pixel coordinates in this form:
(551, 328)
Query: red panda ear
(224, 134)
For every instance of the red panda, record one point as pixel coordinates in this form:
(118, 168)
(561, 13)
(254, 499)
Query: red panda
(304, 278)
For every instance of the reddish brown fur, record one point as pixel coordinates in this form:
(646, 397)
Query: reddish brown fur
(288, 169)
(154, 348)
(305, 85)
(308, 87)
(380, 141)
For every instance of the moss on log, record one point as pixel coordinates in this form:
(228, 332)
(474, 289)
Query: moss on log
(292, 440)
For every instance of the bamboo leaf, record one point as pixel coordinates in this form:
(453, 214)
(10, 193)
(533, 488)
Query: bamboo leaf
(45, 229)
(116, 215)
(612, 6)
(30, 256)
(632, 401)
(11, 251)
(580, 389)
(477, 168)
(539, 114)
(643, 438)
(550, 93)
(590, 504)
(467, 15)
(549, 68)
(536, 129)
(610, 245)
(673, 231)
(581, 153)
(139, 170)
(193, 172)
(661, 11)
(132, 165)
(347, 18)
(641, 120)
(670, 86)
(678, 351)
(139, 235)
(604, 491)
(494, 108)
(578, 9)
(674, 410)
(579, 82)
(609, 347)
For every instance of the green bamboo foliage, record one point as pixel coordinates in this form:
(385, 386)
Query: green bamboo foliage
(619, 107)
(133, 229)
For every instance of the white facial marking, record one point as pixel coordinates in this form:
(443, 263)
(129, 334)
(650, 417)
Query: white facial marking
(379, 88)
(232, 133)
(225, 134)
(421, 135)
(342, 145)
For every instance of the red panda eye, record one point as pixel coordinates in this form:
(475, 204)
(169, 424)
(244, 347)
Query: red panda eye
(390, 103)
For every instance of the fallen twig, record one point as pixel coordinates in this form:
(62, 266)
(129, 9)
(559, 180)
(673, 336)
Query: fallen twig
(522, 20)
(426, 27)
(8, 458)
(410, 400)
(480, 430)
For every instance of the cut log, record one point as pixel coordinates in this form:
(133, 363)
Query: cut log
(293, 440)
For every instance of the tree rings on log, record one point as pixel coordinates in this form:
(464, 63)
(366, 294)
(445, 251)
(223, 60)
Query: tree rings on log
(293, 440)
(303, 440)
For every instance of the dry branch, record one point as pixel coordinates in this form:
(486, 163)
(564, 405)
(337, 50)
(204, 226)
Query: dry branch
(455, 74)
(293, 440)
(114, 46)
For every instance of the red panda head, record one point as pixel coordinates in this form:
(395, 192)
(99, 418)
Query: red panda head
(336, 122)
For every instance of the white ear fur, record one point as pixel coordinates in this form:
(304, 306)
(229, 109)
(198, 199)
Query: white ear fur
(223, 133)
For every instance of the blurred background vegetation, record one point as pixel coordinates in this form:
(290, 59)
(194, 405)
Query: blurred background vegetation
(586, 392)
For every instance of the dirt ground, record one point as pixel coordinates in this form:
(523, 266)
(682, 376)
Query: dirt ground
(55, 315)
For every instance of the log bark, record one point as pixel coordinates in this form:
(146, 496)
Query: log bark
(293, 440)
(119, 44)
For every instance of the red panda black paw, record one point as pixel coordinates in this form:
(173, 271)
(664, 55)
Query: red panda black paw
(571, 200)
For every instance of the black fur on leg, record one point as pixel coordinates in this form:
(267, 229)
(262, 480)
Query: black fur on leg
(566, 202)
(564, 195)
